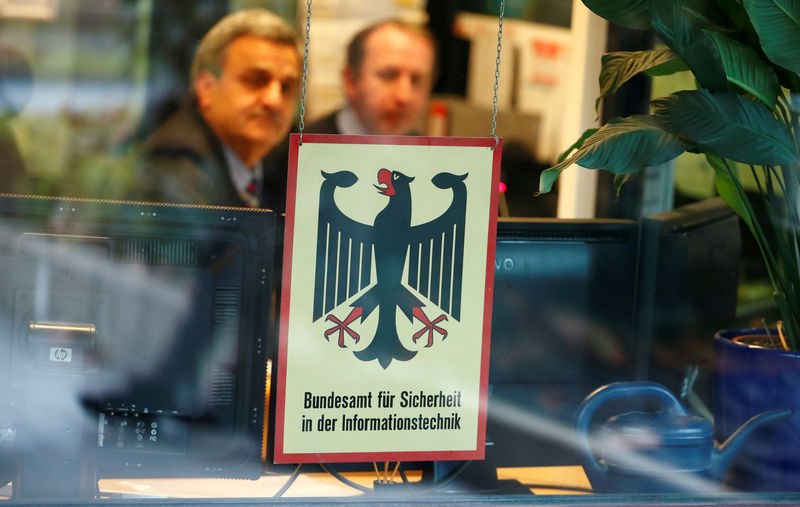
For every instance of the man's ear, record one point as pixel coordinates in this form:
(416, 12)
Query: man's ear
(349, 79)
(204, 85)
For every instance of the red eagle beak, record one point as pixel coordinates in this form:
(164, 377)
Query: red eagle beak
(384, 185)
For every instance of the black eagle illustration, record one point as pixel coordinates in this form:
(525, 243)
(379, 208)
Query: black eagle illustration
(345, 249)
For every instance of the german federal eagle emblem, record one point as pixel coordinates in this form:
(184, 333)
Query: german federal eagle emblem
(388, 266)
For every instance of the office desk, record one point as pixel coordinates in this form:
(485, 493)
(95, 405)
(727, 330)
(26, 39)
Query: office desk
(545, 480)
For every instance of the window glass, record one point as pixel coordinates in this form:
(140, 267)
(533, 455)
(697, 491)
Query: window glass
(139, 339)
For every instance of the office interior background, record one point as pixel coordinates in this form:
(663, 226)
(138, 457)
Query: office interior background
(82, 82)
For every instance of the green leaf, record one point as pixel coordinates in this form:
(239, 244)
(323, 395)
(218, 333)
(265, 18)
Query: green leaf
(621, 66)
(727, 189)
(728, 125)
(788, 80)
(734, 11)
(672, 27)
(630, 13)
(668, 68)
(745, 69)
(675, 28)
(619, 180)
(710, 15)
(777, 23)
(577, 144)
(622, 146)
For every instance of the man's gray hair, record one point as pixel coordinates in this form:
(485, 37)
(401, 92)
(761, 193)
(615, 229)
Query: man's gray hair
(261, 23)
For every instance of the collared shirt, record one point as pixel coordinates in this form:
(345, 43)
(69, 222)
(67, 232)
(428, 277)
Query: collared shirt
(241, 176)
(348, 123)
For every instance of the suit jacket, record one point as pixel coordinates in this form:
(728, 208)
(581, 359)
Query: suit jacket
(183, 161)
(325, 125)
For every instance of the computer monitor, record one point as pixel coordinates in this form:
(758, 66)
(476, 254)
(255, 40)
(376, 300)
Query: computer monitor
(562, 325)
(690, 261)
(581, 303)
(134, 341)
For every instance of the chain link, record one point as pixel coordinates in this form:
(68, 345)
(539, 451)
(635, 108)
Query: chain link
(305, 70)
(497, 72)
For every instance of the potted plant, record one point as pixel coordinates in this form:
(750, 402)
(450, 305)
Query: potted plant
(743, 117)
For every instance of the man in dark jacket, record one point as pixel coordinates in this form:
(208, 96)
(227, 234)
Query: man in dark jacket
(215, 149)
(387, 81)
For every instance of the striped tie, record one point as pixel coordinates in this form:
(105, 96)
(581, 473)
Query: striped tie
(251, 194)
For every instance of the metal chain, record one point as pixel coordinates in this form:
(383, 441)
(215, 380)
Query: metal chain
(497, 72)
(305, 70)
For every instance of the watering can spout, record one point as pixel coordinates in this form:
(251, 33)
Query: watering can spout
(723, 457)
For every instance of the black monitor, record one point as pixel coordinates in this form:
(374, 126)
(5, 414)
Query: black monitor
(562, 322)
(581, 303)
(690, 261)
(134, 341)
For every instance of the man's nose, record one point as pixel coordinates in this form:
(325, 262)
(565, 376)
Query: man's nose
(272, 94)
(403, 88)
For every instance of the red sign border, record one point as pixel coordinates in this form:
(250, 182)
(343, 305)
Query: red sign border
(291, 190)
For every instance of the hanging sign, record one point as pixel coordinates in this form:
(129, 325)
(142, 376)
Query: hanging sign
(386, 298)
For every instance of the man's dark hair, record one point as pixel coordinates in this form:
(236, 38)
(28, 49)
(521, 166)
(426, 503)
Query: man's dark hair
(355, 50)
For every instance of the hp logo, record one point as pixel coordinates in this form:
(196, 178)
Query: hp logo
(60, 355)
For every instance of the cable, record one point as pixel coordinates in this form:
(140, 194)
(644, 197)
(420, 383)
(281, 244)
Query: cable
(289, 483)
(452, 475)
(345, 479)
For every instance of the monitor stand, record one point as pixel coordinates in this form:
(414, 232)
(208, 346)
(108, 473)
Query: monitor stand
(478, 476)
(55, 442)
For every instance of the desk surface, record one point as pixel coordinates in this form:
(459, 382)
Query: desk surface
(542, 480)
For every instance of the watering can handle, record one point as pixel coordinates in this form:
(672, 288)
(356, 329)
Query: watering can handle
(607, 393)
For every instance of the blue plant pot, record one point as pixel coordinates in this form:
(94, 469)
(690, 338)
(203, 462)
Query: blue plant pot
(747, 381)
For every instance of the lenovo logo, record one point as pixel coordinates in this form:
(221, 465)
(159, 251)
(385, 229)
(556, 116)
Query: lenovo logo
(506, 264)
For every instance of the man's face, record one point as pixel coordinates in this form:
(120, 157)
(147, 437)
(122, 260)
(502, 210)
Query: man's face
(390, 91)
(251, 104)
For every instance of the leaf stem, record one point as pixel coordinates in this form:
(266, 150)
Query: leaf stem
(783, 244)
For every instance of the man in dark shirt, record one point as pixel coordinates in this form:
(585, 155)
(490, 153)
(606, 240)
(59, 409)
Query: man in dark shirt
(387, 81)
(215, 149)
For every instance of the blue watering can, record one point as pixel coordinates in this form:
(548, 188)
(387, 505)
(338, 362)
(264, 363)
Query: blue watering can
(656, 451)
